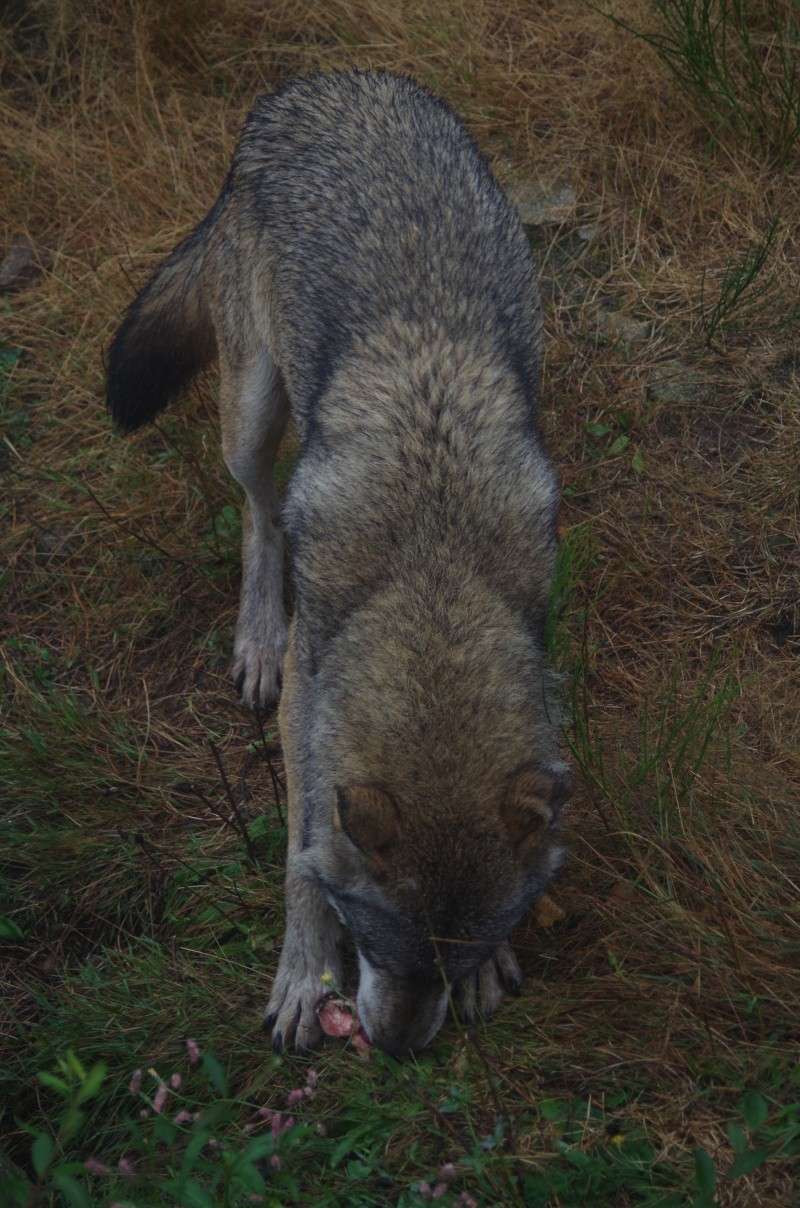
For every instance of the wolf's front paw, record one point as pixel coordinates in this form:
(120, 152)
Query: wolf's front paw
(479, 995)
(291, 1013)
(257, 669)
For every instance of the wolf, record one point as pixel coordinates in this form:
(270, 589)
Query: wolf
(362, 270)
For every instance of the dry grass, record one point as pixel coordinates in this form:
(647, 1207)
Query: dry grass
(674, 980)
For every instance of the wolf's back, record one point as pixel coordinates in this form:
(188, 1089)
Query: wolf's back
(354, 200)
(167, 335)
(380, 207)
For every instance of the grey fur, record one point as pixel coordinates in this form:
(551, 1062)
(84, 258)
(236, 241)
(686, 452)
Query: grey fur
(363, 262)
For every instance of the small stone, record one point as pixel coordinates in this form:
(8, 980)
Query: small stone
(614, 326)
(21, 265)
(675, 382)
(537, 206)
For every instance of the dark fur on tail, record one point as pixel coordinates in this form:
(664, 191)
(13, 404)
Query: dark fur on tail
(166, 336)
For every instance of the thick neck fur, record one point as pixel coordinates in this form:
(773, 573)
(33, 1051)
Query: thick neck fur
(435, 691)
(423, 478)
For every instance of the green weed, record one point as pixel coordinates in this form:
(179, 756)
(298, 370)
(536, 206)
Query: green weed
(674, 741)
(738, 62)
(759, 1132)
(14, 434)
(747, 295)
(576, 553)
(613, 437)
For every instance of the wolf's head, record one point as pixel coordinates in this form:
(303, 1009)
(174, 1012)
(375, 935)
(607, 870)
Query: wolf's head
(428, 898)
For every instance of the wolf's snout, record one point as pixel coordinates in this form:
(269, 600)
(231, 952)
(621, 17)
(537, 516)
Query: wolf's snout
(398, 1016)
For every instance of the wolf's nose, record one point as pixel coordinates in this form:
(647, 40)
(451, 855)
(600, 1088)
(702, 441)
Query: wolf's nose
(395, 1047)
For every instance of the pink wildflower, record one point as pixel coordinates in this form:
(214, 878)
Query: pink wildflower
(175, 1081)
(294, 1097)
(135, 1084)
(424, 1190)
(281, 1124)
(278, 1122)
(447, 1172)
(160, 1098)
(439, 1190)
(275, 1162)
(312, 1078)
(193, 1049)
(183, 1117)
(95, 1166)
(126, 1167)
(465, 1200)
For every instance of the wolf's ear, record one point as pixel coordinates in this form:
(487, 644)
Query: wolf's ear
(533, 804)
(368, 816)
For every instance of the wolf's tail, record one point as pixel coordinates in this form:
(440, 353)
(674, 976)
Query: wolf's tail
(167, 335)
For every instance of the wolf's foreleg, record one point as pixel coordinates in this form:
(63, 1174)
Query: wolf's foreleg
(310, 961)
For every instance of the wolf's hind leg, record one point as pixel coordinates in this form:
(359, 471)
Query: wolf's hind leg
(254, 410)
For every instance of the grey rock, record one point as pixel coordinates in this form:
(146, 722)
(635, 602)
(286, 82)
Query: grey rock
(537, 206)
(675, 382)
(613, 326)
(21, 265)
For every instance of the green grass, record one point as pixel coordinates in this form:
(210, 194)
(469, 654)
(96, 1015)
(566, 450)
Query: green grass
(382, 1134)
(13, 420)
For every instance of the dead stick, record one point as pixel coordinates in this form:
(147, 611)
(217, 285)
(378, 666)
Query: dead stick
(240, 823)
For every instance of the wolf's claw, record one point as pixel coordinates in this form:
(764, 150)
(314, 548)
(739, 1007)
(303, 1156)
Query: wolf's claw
(257, 671)
(479, 995)
(291, 1013)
